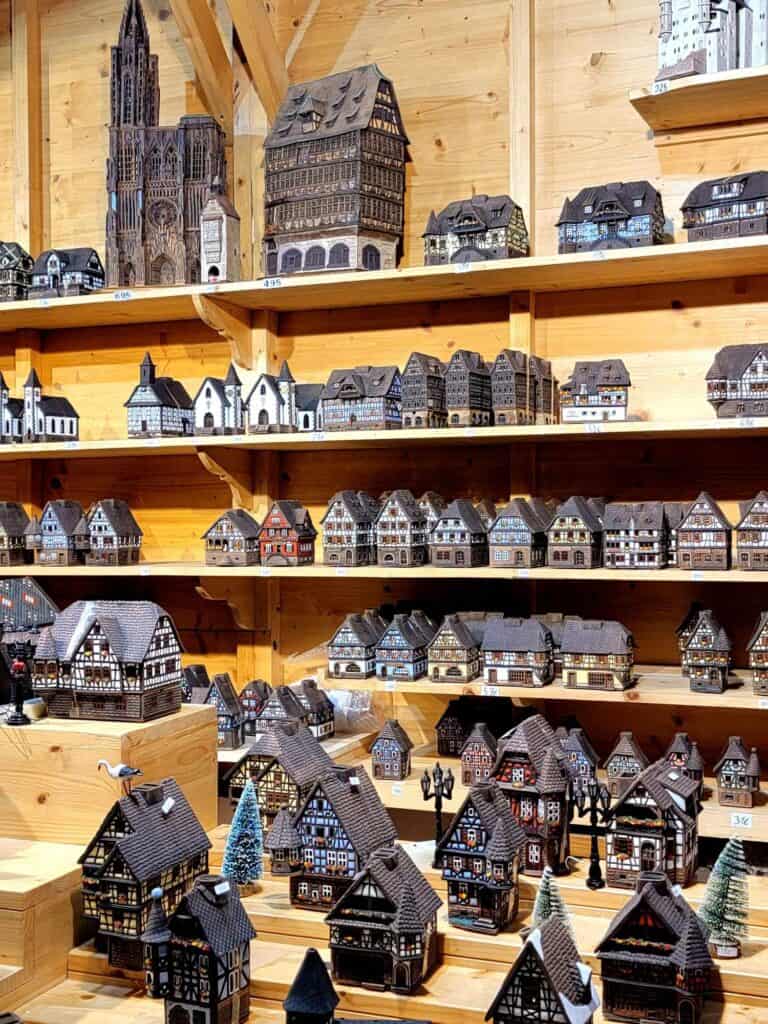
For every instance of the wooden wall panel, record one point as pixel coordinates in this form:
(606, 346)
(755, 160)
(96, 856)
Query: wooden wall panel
(6, 122)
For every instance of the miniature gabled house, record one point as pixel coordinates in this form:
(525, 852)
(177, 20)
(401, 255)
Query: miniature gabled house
(321, 716)
(114, 536)
(60, 536)
(159, 406)
(195, 684)
(282, 705)
(597, 654)
(683, 753)
(752, 533)
(704, 536)
(424, 392)
(757, 649)
(474, 230)
(218, 405)
(233, 539)
(737, 381)
(454, 651)
(252, 700)
(459, 538)
(15, 272)
(287, 536)
(517, 538)
(619, 215)
(229, 714)
(707, 654)
(362, 398)
(13, 524)
(732, 206)
(401, 531)
(517, 652)
(595, 391)
(468, 393)
(738, 775)
(401, 652)
(432, 505)
(580, 755)
(349, 536)
(510, 392)
(283, 844)
(575, 535)
(635, 536)
(460, 716)
(478, 755)
(391, 752)
(624, 763)
(65, 272)
(352, 648)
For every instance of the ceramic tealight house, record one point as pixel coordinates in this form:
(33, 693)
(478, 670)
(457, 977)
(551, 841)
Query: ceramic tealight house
(704, 536)
(218, 405)
(36, 417)
(349, 536)
(654, 957)
(401, 652)
(195, 684)
(459, 539)
(109, 661)
(543, 391)
(728, 207)
(517, 652)
(459, 718)
(278, 404)
(478, 755)
(454, 651)
(423, 387)
(391, 752)
(362, 398)
(518, 536)
(752, 533)
(511, 392)
(15, 272)
(159, 406)
(580, 755)
(114, 536)
(60, 536)
(253, 697)
(474, 230)
(620, 215)
(738, 775)
(468, 393)
(653, 826)
(219, 237)
(321, 717)
(13, 522)
(597, 654)
(432, 505)
(151, 837)
(391, 891)
(352, 648)
(229, 714)
(233, 539)
(65, 272)
(636, 536)
(683, 753)
(575, 535)
(287, 536)
(282, 705)
(737, 381)
(283, 844)
(401, 531)
(624, 763)
(596, 391)
(757, 649)
(707, 654)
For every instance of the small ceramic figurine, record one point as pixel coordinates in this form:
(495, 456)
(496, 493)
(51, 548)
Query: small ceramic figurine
(737, 381)
(219, 237)
(637, 536)
(597, 654)
(758, 655)
(277, 404)
(218, 405)
(13, 524)
(575, 534)
(517, 538)
(401, 650)
(620, 215)
(517, 652)
(362, 398)
(352, 648)
(733, 206)
(159, 406)
(114, 536)
(460, 538)
(475, 229)
(704, 536)
(752, 533)
(65, 272)
(706, 654)
(15, 274)
(222, 695)
(596, 391)
(233, 539)
(321, 714)
(60, 536)
(401, 530)
(349, 536)
(624, 763)
(391, 752)
(468, 392)
(738, 775)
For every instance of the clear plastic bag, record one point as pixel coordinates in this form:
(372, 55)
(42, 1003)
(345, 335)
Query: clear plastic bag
(354, 711)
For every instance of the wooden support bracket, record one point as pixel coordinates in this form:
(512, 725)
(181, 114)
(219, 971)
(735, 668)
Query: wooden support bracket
(28, 218)
(233, 467)
(266, 65)
(255, 607)
(251, 335)
(240, 595)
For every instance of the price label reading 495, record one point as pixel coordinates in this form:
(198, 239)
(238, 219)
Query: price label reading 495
(272, 282)
(741, 820)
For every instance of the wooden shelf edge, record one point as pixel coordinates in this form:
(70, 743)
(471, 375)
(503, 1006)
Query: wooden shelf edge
(704, 100)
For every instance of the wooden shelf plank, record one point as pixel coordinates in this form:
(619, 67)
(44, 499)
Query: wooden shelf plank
(721, 98)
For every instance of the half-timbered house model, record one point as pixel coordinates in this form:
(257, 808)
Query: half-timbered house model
(580, 755)
(222, 695)
(547, 983)
(159, 406)
(278, 404)
(110, 661)
(15, 272)
(704, 536)
(556, 622)
(317, 218)
(352, 648)
(210, 955)
(683, 753)
(511, 395)
(727, 207)
(654, 960)
(341, 822)
(35, 416)
(653, 826)
(468, 393)
(752, 533)
(456, 723)
(673, 513)
(321, 716)
(757, 650)
(282, 764)
(65, 272)
(362, 398)
(60, 536)
(486, 510)
(706, 39)
(706, 656)
(479, 856)
(737, 381)
(518, 536)
(531, 772)
(283, 844)
(517, 652)
(474, 230)
(685, 630)
(624, 763)
(253, 697)
(597, 654)
(218, 405)
(349, 536)
(149, 838)
(595, 391)
(635, 536)
(432, 505)
(13, 522)
(114, 536)
(401, 950)
(287, 536)
(282, 705)
(423, 387)
(737, 774)
(401, 531)
(195, 683)
(233, 539)
(454, 651)
(620, 215)
(575, 535)
(459, 539)
(391, 752)
(401, 651)
(544, 391)
(478, 755)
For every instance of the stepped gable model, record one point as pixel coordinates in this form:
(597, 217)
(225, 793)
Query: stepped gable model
(15, 275)
(352, 648)
(283, 844)
(459, 538)
(597, 654)
(738, 775)
(707, 38)
(478, 755)
(548, 983)
(159, 178)
(511, 391)
(653, 826)
(757, 648)
(683, 753)
(287, 536)
(391, 891)
(218, 405)
(580, 755)
(518, 536)
(60, 536)
(282, 705)
(479, 857)
(595, 391)
(114, 536)
(362, 398)
(624, 763)
(36, 417)
(620, 215)
(575, 535)
(150, 837)
(13, 524)
(401, 651)
(636, 536)
(109, 661)
(704, 536)
(654, 957)
(752, 533)
(432, 505)
(391, 752)
(401, 530)
(159, 406)
(195, 684)
(517, 652)
(321, 715)
(233, 539)
(468, 393)
(278, 404)
(220, 254)
(474, 230)
(454, 651)
(349, 536)
(737, 381)
(727, 207)
(706, 654)
(314, 218)
(222, 695)
(423, 385)
(253, 697)
(65, 272)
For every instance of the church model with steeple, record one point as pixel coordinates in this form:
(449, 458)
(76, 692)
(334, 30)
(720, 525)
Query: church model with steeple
(277, 404)
(36, 417)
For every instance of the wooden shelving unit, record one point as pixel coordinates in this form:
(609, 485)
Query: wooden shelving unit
(700, 100)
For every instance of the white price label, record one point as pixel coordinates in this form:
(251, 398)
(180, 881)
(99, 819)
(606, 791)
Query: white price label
(598, 254)
(145, 570)
(747, 421)
(43, 302)
(741, 820)
(153, 442)
(490, 691)
(318, 435)
(462, 268)
(272, 282)
(341, 570)
(210, 287)
(763, 703)
(265, 571)
(522, 574)
(593, 428)
(123, 295)
(659, 87)
(470, 432)
(397, 789)
(390, 685)
(697, 576)
(72, 445)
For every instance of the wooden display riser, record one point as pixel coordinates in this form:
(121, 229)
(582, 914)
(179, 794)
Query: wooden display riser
(51, 788)
(339, 748)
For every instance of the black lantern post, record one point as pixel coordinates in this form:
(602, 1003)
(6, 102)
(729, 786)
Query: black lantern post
(595, 798)
(20, 653)
(438, 788)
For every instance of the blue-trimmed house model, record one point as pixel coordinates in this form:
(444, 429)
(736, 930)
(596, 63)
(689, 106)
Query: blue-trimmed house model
(352, 648)
(620, 215)
(60, 536)
(391, 752)
(401, 652)
(233, 539)
(159, 406)
(65, 272)
(362, 398)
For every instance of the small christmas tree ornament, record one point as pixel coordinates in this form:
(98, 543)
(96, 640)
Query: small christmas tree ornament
(549, 903)
(725, 908)
(243, 852)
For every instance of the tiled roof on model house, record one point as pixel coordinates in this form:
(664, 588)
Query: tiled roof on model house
(128, 625)
(242, 521)
(356, 804)
(606, 202)
(360, 382)
(392, 730)
(589, 376)
(488, 211)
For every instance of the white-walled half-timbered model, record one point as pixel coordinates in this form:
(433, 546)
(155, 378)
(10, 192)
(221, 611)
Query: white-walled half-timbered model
(478, 755)
(66, 272)
(114, 536)
(597, 654)
(468, 392)
(737, 381)
(233, 539)
(575, 534)
(287, 535)
(454, 651)
(619, 215)
(737, 774)
(222, 695)
(277, 404)
(706, 653)
(349, 536)
(517, 652)
(474, 230)
(391, 752)
(352, 648)
(704, 536)
(684, 753)
(321, 713)
(456, 723)
(638, 536)
(595, 391)
(253, 697)
(517, 538)
(60, 535)
(282, 705)
(401, 651)
(459, 538)
(752, 533)
(401, 530)
(218, 405)
(624, 763)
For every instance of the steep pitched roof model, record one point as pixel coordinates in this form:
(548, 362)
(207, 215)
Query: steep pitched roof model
(356, 804)
(627, 746)
(222, 685)
(361, 507)
(295, 514)
(581, 507)
(591, 375)
(527, 512)
(367, 629)
(219, 913)
(283, 834)
(714, 509)
(720, 639)
(392, 730)
(644, 515)
(312, 993)
(505, 837)
(605, 202)
(405, 502)
(128, 625)
(481, 734)
(360, 382)
(755, 186)
(242, 521)
(736, 751)
(13, 519)
(517, 635)
(732, 361)
(466, 214)
(294, 746)
(669, 786)
(464, 510)
(118, 515)
(596, 636)
(577, 741)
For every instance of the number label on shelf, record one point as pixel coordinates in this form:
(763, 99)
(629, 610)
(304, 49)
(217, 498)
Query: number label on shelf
(123, 295)
(72, 445)
(153, 442)
(490, 691)
(272, 282)
(390, 685)
(341, 570)
(145, 570)
(741, 820)
(598, 254)
(211, 286)
(763, 703)
(318, 435)
(593, 428)
(660, 87)
(43, 302)
(747, 421)
(522, 574)
(397, 789)
(463, 268)
(265, 571)
(470, 432)
(697, 576)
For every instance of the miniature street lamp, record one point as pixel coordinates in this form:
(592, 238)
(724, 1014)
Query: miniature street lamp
(595, 798)
(438, 788)
(20, 652)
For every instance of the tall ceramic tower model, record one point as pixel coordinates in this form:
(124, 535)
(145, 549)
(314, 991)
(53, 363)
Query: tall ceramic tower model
(698, 37)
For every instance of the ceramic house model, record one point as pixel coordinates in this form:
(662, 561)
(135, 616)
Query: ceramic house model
(15, 272)
(195, 683)
(685, 630)
(654, 957)
(278, 404)
(13, 523)
(222, 695)
(321, 716)
(757, 649)
(401, 531)
(728, 207)
(459, 539)
(158, 406)
(595, 391)
(109, 660)
(543, 391)
(518, 652)
(401, 652)
(362, 398)
(478, 755)
(391, 752)
(707, 654)
(423, 392)
(287, 536)
(653, 826)
(391, 891)
(432, 505)
(636, 536)
(597, 654)
(738, 775)
(486, 510)
(454, 650)
(518, 536)
(352, 648)
(218, 405)
(35, 416)
(624, 763)
(356, 223)
(282, 705)
(575, 535)
(703, 39)
(479, 857)
(737, 381)
(253, 697)
(580, 755)
(460, 716)
(114, 536)
(704, 536)
(683, 753)
(752, 533)
(468, 393)
(148, 838)
(510, 391)
(25, 609)
(349, 536)
(233, 539)
(283, 844)
(547, 983)
(60, 536)
(475, 229)
(219, 237)
(65, 272)
(619, 215)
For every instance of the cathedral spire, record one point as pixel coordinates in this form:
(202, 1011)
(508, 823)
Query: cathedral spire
(135, 94)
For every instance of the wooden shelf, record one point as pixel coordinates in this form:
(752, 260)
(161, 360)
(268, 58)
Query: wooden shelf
(699, 100)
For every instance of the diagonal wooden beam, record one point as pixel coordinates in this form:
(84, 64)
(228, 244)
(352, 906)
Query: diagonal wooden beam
(213, 67)
(28, 126)
(266, 65)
